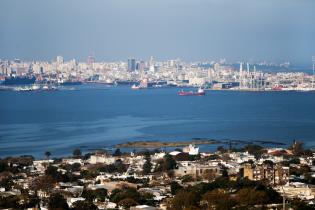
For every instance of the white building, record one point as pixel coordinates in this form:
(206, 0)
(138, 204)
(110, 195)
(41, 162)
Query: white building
(101, 158)
(192, 150)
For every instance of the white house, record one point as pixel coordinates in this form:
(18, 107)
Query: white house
(192, 150)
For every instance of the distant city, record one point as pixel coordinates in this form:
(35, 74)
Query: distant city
(213, 75)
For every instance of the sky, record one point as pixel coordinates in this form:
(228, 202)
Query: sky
(193, 30)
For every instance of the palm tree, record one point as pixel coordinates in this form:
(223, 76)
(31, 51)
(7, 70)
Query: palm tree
(47, 154)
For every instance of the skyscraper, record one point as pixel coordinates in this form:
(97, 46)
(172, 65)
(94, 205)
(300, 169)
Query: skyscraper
(131, 64)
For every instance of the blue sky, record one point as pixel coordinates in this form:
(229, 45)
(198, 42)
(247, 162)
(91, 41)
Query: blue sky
(253, 30)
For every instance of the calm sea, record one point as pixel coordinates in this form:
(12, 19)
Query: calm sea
(94, 117)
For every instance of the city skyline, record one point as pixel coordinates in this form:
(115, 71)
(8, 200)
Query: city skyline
(192, 30)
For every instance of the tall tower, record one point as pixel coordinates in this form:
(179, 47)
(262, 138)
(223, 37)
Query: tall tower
(241, 75)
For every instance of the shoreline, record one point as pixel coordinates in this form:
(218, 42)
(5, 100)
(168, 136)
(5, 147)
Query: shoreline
(194, 141)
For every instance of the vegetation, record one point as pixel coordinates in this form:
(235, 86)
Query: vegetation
(134, 197)
(84, 205)
(57, 201)
(224, 194)
(166, 164)
(117, 152)
(77, 152)
(175, 187)
(47, 154)
(91, 195)
(147, 166)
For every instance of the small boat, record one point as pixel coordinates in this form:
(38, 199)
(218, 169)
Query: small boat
(135, 87)
(200, 92)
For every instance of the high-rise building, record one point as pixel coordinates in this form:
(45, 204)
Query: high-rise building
(59, 60)
(131, 64)
(90, 60)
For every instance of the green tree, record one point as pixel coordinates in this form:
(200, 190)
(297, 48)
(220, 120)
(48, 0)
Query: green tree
(77, 152)
(3, 166)
(221, 149)
(7, 183)
(147, 166)
(300, 205)
(218, 199)
(57, 201)
(117, 152)
(127, 203)
(11, 201)
(47, 154)
(101, 194)
(187, 178)
(268, 162)
(185, 200)
(89, 195)
(169, 163)
(250, 197)
(84, 205)
(175, 187)
(45, 183)
(120, 194)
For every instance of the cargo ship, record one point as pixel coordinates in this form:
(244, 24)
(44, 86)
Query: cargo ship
(200, 92)
(19, 80)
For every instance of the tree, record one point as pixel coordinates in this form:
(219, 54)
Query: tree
(11, 201)
(185, 200)
(120, 167)
(254, 149)
(47, 154)
(3, 166)
(77, 152)
(175, 187)
(57, 201)
(221, 149)
(147, 165)
(120, 194)
(169, 163)
(127, 203)
(89, 195)
(101, 194)
(300, 205)
(250, 197)
(297, 148)
(187, 178)
(7, 183)
(268, 162)
(45, 183)
(117, 152)
(182, 157)
(218, 199)
(83, 205)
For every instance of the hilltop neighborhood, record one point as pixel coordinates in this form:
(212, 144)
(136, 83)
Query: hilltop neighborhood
(251, 177)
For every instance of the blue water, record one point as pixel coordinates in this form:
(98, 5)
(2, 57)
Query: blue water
(97, 117)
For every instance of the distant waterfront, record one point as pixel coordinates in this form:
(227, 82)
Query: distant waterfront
(100, 117)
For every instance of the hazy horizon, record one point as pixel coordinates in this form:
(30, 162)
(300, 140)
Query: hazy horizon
(200, 30)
